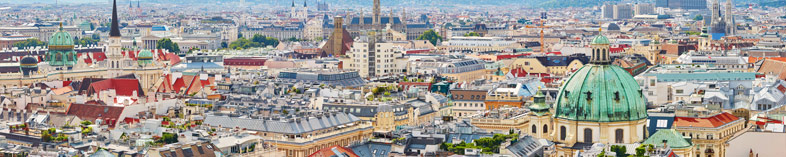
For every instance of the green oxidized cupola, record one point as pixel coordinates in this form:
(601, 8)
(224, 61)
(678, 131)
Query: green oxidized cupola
(61, 49)
(144, 58)
(600, 92)
(539, 106)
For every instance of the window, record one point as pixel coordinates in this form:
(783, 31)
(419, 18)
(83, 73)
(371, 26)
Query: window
(679, 91)
(545, 128)
(562, 132)
(534, 129)
(662, 123)
(587, 135)
(618, 136)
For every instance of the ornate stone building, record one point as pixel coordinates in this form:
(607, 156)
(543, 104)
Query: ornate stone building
(62, 63)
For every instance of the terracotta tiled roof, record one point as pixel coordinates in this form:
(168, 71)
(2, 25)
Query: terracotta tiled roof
(99, 56)
(93, 110)
(124, 87)
(709, 122)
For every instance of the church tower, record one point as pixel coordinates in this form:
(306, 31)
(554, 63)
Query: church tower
(729, 18)
(113, 52)
(377, 19)
(304, 14)
(293, 10)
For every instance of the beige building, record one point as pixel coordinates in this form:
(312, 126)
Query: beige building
(709, 134)
(374, 59)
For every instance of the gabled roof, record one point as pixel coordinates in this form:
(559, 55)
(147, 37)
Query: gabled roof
(93, 110)
(124, 87)
(709, 122)
(673, 139)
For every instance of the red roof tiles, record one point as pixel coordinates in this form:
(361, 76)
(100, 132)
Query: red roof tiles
(123, 87)
(93, 110)
(709, 122)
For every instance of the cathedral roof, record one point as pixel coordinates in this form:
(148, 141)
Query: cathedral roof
(369, 20)
(600, 93)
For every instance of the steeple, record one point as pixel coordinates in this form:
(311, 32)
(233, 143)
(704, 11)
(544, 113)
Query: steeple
(361, 19)
(115, 30)
(304, 4)
(293, 3)
(377, 20)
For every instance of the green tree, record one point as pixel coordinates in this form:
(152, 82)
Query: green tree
(86, 123)
(318, 39)
(431, 36)
(619, 150)
(87, 130)
(45, 136)
(192, 50)
(32, 42)
(698, 18)
(167, 138)
(472, 34)
(167, 44)
(224, 44)
(692, 33)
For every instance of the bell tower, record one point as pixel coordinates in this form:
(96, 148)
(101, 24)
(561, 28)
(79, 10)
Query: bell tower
(113, 52)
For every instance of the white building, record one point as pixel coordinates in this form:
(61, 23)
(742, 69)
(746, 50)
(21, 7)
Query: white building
(479, 44)
(375, 59)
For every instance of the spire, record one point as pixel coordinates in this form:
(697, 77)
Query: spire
(61, 26)
(376, 20)
(115, 30)
(130, 4)
(304, 3)
(137, 4)
(293, 3)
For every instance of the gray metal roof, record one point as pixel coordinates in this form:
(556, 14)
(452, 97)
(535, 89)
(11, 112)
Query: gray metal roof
(285, 126)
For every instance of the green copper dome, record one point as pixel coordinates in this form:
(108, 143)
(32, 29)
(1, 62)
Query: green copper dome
(600, 93)
(144, 57)
(600, 39)
(61, 38)
(61, 49)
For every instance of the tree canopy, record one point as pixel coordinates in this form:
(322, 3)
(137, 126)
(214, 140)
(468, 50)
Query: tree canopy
(32, 42)
(472, 34)
(698, 18)
(167, 44)
(256, 41)
(92, 40)
(431, 36)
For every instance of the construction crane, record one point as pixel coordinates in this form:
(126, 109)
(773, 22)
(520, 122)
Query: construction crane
(542, 27)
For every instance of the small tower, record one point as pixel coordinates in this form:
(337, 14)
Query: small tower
(600, 49)
(377, 21)
(293, 10)
(304, 14)
(113, 52)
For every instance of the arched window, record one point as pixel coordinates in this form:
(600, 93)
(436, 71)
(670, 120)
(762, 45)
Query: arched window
(534, 129)
(587, 135)
(618, 136)
(545, 128)
(562, 132)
